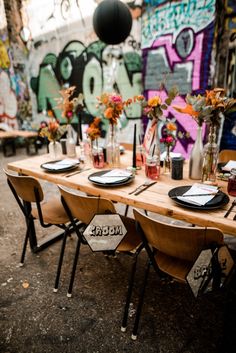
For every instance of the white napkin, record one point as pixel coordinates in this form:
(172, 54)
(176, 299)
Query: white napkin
(230, 165)
(64, 163)
(112, 176)
(197, 189)
(172, 155)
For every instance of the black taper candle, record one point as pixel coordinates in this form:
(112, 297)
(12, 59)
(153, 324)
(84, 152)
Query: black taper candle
(80, 126)
(134, 147)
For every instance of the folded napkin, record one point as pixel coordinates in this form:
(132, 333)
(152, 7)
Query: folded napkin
(199, 189)
(172, 155)
(112, 176)
(230, 165)
(64, 163)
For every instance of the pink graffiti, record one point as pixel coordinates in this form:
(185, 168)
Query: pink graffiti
(194, 57)
(183, 119)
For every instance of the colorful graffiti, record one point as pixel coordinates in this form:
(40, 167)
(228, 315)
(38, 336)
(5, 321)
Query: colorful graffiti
(92, 69)
(177, 40)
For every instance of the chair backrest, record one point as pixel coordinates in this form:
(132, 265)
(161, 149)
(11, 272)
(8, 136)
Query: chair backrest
(180, 242)
(227, 155)
(25, 187)
(85, 207)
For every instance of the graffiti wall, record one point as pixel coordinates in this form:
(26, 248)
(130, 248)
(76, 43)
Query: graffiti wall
(177, 40)
(65, 51)
(8, 100)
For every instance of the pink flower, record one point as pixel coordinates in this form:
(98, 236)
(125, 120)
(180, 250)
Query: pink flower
(169, 139)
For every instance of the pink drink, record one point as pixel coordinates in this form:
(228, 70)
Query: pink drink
(140, 159)
(98, 159)
(232, 183)
(152, 170)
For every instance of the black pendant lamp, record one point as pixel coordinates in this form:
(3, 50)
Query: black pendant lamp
(112, 21)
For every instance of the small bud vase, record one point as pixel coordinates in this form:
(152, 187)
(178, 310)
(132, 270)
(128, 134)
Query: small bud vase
(196, 157)
(113, 148)
(167, 161)
(55, 150)
(210, 157)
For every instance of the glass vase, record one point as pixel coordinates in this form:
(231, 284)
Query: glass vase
(196, 157)
(210, 157)
(113, 148)
(70, 142)
(167, 161)
(55, 150)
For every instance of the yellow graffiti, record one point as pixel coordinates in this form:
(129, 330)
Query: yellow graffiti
(4, 58)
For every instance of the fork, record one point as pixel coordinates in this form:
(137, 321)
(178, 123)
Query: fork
(147, 182)
(230, 209)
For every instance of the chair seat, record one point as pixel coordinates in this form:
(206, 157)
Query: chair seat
(174, 267)
(53, 212)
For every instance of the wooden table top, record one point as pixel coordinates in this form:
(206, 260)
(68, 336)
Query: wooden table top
(154, 199)
(18, 133)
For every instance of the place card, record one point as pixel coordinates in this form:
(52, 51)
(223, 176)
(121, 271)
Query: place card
(230, 165)
(199, 194)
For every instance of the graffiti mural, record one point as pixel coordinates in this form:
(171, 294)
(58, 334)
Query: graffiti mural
(92, 70)
(65, 51)
(177, 39)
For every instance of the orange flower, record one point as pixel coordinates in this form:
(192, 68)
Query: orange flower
(171, 126)
(188, 109)
(154, 101)
(93, 130)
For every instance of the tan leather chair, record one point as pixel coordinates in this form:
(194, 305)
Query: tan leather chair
(83, 208)
(227, 155)
(29, 196)
(172, 250)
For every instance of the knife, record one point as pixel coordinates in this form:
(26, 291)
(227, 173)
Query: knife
(145, 188)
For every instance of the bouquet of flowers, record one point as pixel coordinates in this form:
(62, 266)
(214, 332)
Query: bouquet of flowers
(113, 105)
(154, 106)
(168, 135)
(93, 131)
(68, 104)
(52, 130)
(208, 108)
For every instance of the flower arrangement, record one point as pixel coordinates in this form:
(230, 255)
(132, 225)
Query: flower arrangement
(93, 131)
(208, 108)
(168, 135)
(52, 130)
(154, 106)
(68, 104)
(113, 105)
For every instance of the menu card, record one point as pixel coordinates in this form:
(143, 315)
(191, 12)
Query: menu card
(230, 165)
(200, 194)
(62, 164)
(113, 176)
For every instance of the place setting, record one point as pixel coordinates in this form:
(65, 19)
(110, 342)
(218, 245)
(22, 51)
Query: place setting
(61, 165)
(111, 177)
(199, 196)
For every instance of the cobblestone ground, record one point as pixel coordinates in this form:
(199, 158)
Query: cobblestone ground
(33, 319)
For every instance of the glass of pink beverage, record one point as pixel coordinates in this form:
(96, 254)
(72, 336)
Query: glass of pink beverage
(98, 158)
(152, 167)
(140, 157)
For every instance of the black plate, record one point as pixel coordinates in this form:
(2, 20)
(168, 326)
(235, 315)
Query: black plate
(218, 201)
(128, 180)
(74, 166)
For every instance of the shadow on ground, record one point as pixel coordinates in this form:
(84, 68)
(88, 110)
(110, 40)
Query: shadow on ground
(36, 320)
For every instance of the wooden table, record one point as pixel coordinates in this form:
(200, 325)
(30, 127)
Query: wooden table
(14, 134)
(154, 199)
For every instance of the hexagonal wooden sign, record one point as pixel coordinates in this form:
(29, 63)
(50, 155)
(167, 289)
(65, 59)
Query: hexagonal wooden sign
(105, 232)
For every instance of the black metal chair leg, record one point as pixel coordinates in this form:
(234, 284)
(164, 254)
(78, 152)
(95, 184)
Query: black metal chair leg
(129, 294)
(126, 210)
(69, 293)
(63, 245)
(24, 246)
(140, 303)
